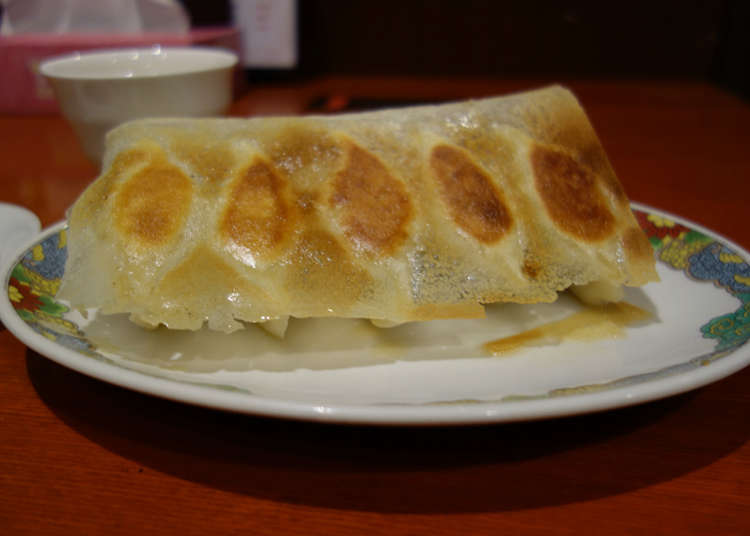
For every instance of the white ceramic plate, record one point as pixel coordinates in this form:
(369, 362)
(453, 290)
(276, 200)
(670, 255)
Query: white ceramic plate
(427, 374)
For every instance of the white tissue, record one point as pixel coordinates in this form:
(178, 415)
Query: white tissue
(93, 16)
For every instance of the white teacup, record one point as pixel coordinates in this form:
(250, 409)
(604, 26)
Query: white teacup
(100, 89)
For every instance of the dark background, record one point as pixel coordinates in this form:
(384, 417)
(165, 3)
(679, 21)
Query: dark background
(516, 38)
(706, 40)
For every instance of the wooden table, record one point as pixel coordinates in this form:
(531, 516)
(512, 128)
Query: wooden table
(78, 456)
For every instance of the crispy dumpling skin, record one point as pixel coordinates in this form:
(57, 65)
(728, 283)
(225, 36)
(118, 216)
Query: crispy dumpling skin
(398, 215)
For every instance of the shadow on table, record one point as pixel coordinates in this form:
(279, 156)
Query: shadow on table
(419, 470)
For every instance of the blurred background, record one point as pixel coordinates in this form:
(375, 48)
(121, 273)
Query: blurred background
(707, 40)
(293, 40)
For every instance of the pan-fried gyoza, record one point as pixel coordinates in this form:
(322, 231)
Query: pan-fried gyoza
(399, 215)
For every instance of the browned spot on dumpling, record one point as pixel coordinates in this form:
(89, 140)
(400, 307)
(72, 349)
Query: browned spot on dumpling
(257, 215)
(130, 158)
(96, 196)
(474, 202)
(531, 268)
(152, 205)
(577, 134)
(375, 207)
(571, 195)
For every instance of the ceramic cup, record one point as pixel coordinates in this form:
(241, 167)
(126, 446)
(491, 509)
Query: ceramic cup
(100, 89)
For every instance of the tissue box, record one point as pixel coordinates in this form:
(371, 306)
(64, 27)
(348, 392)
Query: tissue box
(24, 91)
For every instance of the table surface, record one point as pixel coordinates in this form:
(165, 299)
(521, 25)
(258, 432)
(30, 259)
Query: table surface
(78, 456)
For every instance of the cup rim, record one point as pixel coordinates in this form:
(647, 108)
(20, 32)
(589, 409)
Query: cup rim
(222, 59)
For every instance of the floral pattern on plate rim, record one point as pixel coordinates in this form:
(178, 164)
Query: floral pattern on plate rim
(36, 278)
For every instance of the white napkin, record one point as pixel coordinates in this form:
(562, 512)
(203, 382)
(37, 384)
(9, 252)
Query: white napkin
(17, 226)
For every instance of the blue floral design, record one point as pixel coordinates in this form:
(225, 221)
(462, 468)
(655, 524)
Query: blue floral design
(711, 261)
(54, 253)
(720, 264)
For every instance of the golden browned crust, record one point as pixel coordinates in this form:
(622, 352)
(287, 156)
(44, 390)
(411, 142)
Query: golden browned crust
(473, 200)
(152, 204)
(258, 214)
(413, 214)
(571, 194)
(373, 205)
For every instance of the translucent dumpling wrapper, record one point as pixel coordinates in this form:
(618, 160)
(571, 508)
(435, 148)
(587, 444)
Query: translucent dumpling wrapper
(401, 215)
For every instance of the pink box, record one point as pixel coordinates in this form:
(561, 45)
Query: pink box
(24, 91)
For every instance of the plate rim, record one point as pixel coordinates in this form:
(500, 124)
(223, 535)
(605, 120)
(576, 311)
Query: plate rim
(395, 414)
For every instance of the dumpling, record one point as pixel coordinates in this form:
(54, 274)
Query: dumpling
(398, 215)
